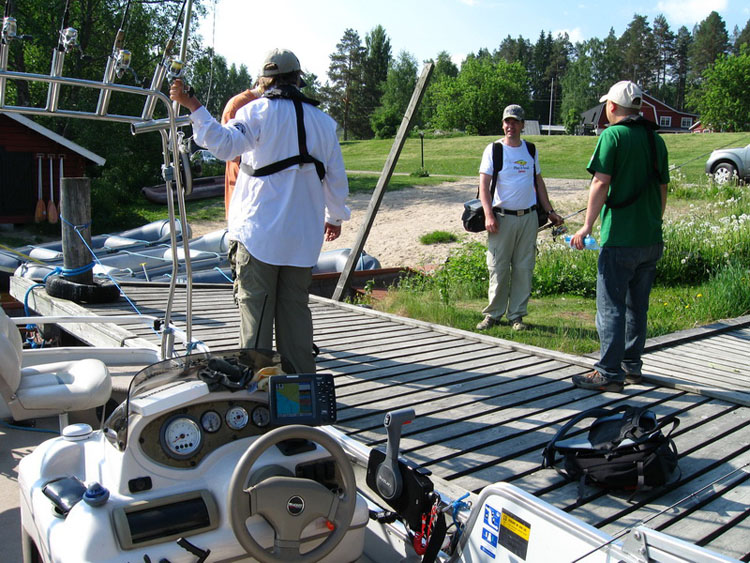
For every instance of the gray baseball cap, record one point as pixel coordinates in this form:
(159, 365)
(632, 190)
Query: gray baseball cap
(280, 61)
(514, 111)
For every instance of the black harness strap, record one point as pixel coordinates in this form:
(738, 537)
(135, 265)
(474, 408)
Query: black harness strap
(304, 157)
(640, 121)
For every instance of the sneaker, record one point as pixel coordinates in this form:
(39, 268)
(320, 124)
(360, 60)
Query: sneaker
(596, 381)
(488, 322)
(633, 377)
(518, 324)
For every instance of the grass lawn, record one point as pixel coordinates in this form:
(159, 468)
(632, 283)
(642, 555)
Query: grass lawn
(561, 156)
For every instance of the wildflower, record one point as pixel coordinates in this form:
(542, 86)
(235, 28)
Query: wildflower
(699, 295)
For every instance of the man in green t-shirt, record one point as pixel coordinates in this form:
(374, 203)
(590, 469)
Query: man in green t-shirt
(629, 192)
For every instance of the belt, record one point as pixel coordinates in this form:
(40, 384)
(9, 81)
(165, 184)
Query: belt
(519, 212)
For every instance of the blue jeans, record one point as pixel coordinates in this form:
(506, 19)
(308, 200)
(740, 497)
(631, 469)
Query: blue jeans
(623, 284)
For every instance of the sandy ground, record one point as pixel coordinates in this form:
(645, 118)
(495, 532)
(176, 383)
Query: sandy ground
(407, 214)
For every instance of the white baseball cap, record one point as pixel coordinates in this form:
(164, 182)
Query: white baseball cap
(625, 93)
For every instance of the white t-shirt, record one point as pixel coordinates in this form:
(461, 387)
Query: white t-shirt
(515, 182)
(279, 218)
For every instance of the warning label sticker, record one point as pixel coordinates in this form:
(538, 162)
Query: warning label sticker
(514, 534)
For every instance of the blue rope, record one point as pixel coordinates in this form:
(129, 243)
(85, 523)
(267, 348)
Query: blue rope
(68, 272)
(223, 274)
(30, 429)
(456, 506)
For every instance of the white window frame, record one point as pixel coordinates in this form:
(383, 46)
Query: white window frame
(665, 121)
(686, 122)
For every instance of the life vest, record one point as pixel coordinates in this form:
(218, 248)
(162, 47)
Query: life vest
(289, 92)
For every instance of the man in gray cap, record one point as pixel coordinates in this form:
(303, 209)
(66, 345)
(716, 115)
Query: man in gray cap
(629, 192)
(290, 194)
(511, 220)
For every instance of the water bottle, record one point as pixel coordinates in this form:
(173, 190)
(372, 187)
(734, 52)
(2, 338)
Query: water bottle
(589, 242)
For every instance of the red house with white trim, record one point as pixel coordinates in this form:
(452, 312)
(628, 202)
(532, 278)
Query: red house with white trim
(669, 119)
(32, 161)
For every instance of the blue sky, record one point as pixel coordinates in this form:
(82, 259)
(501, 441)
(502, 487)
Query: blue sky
(243, 31)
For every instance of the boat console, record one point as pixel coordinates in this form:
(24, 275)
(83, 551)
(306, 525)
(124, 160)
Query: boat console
(204, 449)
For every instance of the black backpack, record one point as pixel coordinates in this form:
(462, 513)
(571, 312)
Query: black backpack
(625, 449)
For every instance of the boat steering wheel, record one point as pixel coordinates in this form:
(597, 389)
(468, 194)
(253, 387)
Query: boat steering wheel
(289, 504)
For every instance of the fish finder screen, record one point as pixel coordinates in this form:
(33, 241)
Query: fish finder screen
(294, 399)
(302, 399)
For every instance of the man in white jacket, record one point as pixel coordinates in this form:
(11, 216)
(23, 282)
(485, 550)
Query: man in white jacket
(290, 195)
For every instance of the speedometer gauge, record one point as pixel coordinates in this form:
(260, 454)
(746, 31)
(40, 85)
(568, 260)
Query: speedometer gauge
(237, 418)
(181, 437)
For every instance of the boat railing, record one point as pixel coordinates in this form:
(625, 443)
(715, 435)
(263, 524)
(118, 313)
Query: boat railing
(168, 128)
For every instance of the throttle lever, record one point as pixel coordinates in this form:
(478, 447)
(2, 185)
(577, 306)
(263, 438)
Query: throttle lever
(388, 481)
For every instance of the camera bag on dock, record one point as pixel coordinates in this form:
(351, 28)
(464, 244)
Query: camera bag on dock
(624, 449)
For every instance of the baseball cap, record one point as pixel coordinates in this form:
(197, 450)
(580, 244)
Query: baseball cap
(515, 111)
(279, 61)
(625, 93)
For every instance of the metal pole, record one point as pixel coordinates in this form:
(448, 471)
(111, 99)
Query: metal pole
(421, 141)
(551, 97)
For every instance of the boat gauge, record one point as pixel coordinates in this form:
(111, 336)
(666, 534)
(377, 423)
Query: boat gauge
(211, 421)
(237, 418)
(261, 416)
(181, 437)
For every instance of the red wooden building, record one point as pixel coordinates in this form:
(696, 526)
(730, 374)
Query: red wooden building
(32, 161)
(669, 119)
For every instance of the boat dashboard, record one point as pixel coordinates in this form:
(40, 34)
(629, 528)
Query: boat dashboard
(183, 438)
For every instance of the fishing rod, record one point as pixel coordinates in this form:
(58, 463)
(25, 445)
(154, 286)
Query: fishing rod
(117, 63)
(161, 68)
(8, 34)
(67, 39)
(548, 224)
(677, 166)
(664, 510)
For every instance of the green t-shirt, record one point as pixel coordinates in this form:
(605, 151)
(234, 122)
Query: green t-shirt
(623, 152)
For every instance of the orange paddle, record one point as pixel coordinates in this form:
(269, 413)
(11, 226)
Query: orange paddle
(40, 213)
(51, 209)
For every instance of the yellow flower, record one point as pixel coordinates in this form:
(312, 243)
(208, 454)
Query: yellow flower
(699, 295)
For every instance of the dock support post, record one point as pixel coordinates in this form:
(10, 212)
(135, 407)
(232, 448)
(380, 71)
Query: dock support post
(75, 210)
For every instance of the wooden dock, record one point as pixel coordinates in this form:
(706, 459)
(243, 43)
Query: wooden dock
(486, 407)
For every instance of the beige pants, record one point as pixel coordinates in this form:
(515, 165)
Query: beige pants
(511, 255)
(278, 296)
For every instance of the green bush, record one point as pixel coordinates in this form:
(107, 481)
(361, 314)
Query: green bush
(560, 269)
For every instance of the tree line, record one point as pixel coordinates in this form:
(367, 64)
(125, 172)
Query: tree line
(705, 70)
(367, 87)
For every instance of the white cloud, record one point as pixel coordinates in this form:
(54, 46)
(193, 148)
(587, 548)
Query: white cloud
(470, 2)
(575, 35)
(689, 12)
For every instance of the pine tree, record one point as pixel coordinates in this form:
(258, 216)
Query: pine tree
(743, 38)
(639, 52)
(665, 45)
(710, 39)
(343, 95)
(681, 65)
(375, 69)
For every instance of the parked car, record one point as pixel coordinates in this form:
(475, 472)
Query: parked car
(723, 164)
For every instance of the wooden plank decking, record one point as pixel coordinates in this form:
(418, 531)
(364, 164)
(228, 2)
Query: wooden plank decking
(486, 407)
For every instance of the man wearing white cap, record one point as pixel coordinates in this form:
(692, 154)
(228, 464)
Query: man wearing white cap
(290, 195)
(629, 192)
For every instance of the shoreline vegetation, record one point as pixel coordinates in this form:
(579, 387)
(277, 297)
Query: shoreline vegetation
(703, 277)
